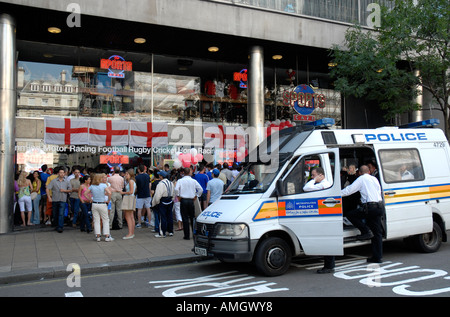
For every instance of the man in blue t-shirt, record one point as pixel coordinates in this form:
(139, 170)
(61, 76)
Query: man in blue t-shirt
(202, 179)
(143, 199)
(43, 203)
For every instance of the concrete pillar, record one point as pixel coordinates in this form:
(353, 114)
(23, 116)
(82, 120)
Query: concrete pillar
(8, 105)
(418, 114)
(255, 92)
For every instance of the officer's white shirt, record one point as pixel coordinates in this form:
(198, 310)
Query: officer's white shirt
(313, 186)
(368, 186)
(187, 187)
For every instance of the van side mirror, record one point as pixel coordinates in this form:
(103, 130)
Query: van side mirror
(280, 187)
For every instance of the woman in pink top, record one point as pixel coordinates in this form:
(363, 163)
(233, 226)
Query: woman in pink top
(86, 202)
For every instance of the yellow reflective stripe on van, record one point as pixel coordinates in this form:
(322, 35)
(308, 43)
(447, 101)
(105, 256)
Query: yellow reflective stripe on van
(416, 194)
(266, 211)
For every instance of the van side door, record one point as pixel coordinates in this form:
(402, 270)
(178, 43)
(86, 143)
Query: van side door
(405, 190)
(316, 216)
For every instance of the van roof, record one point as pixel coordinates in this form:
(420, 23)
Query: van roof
(318, 133)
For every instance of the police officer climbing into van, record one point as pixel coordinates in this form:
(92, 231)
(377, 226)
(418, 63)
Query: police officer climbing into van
(372, 210)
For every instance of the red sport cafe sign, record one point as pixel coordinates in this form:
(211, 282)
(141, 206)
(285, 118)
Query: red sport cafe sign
(116, 66)
(241, 77)
(114, 159)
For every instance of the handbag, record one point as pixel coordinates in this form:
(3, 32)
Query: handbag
(198, 207)
(33, 195)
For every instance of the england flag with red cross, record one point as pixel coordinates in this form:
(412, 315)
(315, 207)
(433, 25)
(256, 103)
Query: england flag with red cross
(65, 131)
(148, 134)
(108, 132)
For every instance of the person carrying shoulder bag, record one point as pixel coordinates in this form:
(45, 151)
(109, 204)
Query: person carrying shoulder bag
(163, 198)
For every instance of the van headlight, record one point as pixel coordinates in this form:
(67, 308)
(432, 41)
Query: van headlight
(231, 231)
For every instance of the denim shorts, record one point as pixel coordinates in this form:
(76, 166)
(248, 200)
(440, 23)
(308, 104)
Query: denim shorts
(143, 202)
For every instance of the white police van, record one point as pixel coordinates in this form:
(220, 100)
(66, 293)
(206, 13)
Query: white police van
(265, 217)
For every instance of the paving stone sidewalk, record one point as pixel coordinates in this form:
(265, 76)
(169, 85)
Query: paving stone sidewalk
(39, 253)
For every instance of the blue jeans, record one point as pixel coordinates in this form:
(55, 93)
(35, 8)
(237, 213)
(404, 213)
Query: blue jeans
(58, 208)
(75, 204)
(156, 217)
(36, 219)
(85, 221)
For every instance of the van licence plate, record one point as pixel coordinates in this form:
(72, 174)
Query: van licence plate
(201, 251)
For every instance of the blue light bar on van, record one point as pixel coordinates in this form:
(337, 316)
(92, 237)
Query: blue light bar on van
(421, 124)
(325, 122)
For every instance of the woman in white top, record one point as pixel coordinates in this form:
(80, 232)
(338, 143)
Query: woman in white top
(129, 202)
(25, 203)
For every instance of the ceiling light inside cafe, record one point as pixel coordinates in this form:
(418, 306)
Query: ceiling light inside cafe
(140, 40)
(54, 30)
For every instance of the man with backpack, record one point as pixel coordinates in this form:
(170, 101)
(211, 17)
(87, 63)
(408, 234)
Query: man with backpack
(163, 201)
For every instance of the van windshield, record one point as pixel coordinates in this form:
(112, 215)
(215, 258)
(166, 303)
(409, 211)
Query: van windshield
(254, 178)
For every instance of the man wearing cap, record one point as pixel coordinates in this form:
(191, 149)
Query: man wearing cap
(163, 201)
(187, 189)
(214, 188)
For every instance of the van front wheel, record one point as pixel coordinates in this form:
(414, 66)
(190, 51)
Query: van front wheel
(273, 257)
(429, 242)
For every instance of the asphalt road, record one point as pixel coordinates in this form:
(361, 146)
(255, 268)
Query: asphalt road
(403, 274)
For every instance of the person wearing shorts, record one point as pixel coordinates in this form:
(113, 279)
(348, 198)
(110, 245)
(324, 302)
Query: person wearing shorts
(143, 199)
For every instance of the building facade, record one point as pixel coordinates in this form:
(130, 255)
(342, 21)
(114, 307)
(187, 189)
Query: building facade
(188, 63)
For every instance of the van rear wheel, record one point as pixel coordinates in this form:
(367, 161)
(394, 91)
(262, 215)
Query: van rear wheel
(428, 242)
(273, 257)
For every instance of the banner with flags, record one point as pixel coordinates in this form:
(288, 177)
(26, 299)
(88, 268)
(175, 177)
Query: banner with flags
(108, 132)
(66, 131)
(148, 134)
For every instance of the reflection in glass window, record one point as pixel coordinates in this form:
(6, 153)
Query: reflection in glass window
(401, 165)
(173, 95)
(254, 178)
(34, 87)
(46, 87)
(351, 11)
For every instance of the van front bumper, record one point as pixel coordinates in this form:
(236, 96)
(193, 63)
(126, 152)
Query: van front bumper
(227, 250)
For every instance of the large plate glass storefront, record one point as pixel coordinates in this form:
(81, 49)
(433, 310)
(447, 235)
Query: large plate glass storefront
(134, 87)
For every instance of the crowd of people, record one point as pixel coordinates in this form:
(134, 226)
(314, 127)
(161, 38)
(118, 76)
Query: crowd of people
(102, 200)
